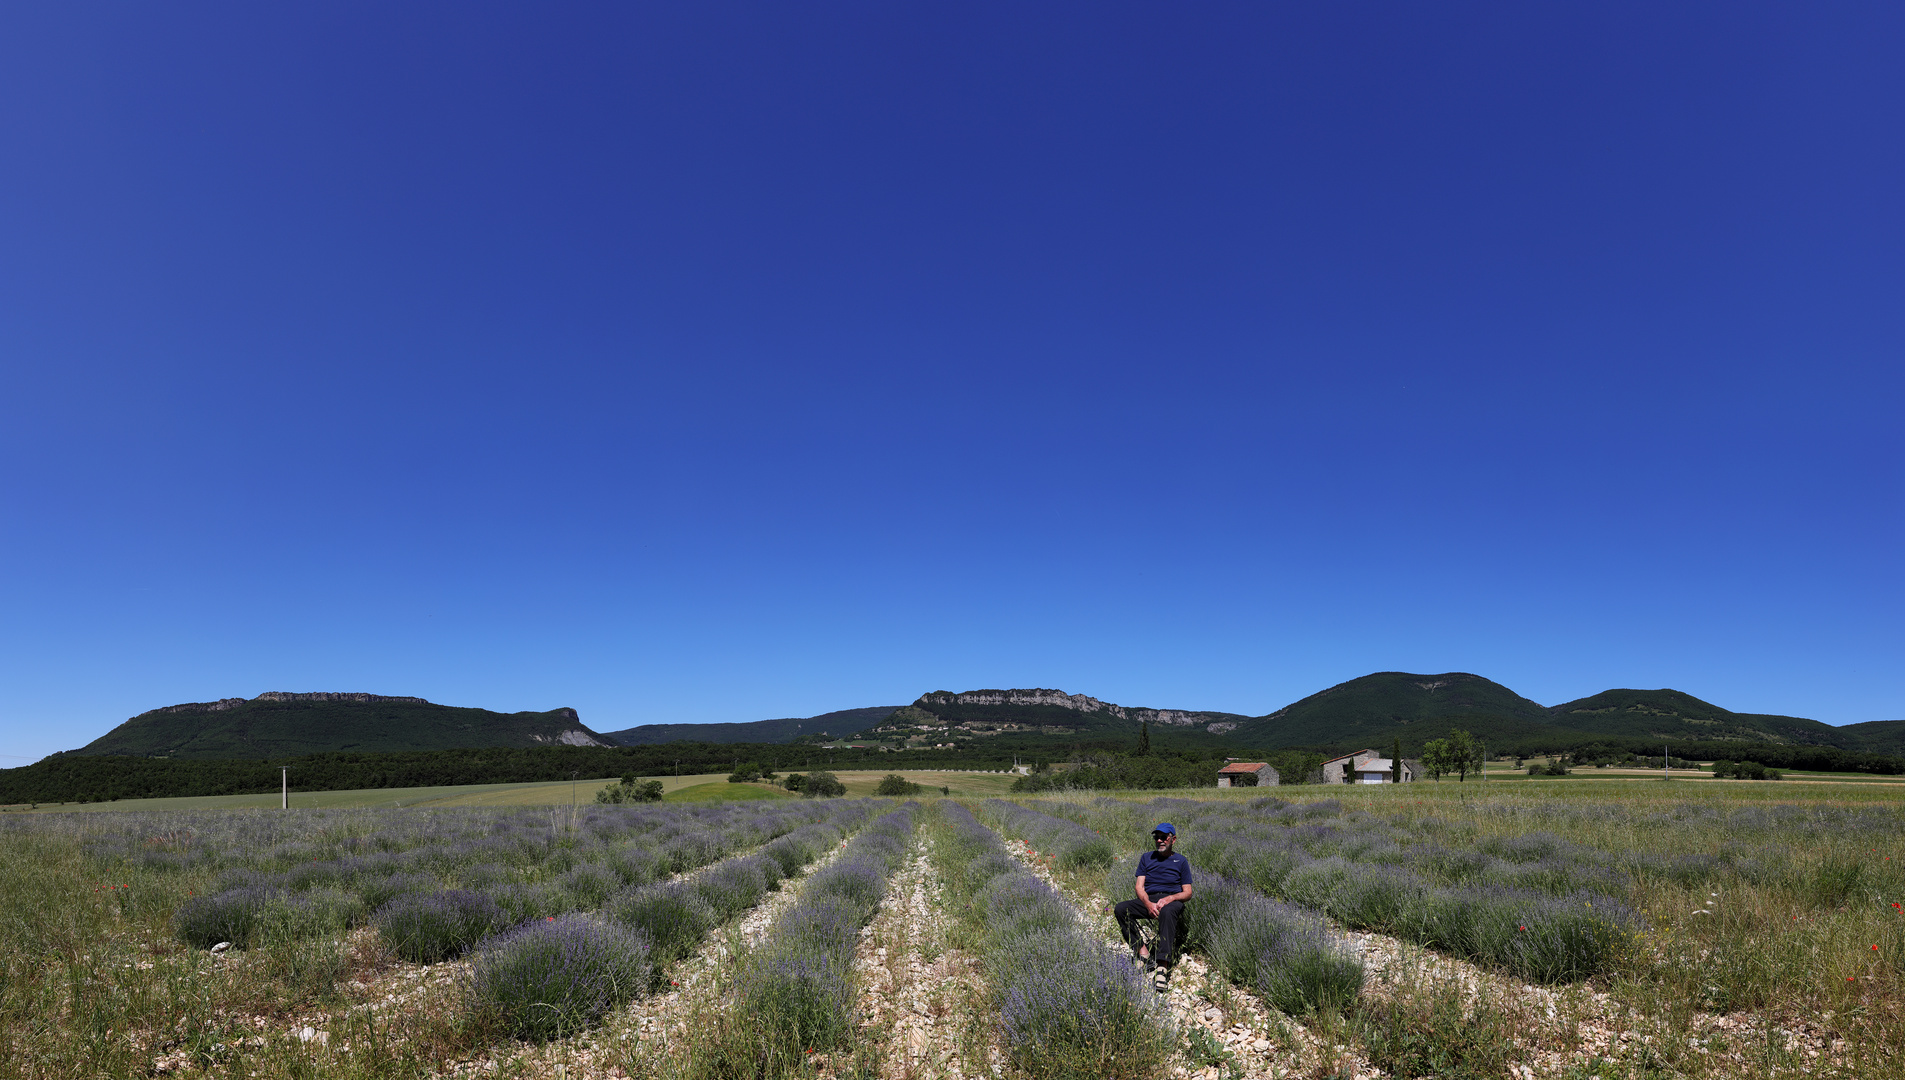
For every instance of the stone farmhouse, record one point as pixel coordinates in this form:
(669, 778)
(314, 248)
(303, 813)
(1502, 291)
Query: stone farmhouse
(1367, 767)
(1236, 774)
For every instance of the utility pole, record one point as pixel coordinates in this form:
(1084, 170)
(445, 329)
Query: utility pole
(284, 790)
(1666, 772)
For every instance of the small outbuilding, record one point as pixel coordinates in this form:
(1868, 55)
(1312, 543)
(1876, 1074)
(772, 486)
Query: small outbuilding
(1368, 767)
(1248, 774)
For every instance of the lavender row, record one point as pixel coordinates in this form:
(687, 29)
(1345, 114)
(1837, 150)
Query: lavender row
(264, 843)
(1282, 952)
(1070, 1007)
(550, 978)
(431, 916)
(1441, 851)
(797, 991)
(1274, 847)
(1075, 845)
(676, 916)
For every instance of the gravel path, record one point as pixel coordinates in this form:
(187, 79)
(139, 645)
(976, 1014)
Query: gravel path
(923, 1002)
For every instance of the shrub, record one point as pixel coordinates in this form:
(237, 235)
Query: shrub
(630, 790)
(821, 785)
(589, 885)
(672, 917)
(427, 927)
(732, 887)
(894, 784)
(521, 903)
(546, 980)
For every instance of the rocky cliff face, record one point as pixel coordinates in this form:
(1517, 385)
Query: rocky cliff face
(359, 699)
(1076, 702)
(573, 737)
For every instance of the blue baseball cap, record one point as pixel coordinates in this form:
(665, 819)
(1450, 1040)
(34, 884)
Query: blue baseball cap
(1166, 827)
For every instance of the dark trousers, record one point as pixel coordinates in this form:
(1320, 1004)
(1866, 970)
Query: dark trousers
(1170, 927)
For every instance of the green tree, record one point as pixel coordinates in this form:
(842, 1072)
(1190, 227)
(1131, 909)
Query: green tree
(631, 789)
(1465, 754)
(1144, 738)
(822, 785)
(895, 784)
(1395, 762)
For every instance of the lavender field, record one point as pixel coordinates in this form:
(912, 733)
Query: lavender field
(1423, 932)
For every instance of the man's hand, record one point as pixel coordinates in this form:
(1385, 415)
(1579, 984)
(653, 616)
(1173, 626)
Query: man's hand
(1151, 906)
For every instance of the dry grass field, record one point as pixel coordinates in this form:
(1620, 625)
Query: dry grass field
(1579, 928)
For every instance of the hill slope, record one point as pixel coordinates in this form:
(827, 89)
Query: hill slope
(1670, 714)
(1877, 736)
(839, 723)
(278, 724)
(1372, 710)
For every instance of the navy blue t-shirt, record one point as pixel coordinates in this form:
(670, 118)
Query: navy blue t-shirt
(1163, 876)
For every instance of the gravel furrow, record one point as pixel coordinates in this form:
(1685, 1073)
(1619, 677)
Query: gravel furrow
(921, 999)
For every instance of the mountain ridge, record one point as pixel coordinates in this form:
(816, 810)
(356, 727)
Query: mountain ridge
(276, 723)
(1371, 710)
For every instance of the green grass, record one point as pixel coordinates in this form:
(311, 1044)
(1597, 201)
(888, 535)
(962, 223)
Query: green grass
(535, 793)
(726, 792)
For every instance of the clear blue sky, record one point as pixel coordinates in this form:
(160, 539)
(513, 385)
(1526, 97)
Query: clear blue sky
(713, 362)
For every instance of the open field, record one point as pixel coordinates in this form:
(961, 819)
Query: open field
(1593, 926)
(541, 793)
(1498, 770)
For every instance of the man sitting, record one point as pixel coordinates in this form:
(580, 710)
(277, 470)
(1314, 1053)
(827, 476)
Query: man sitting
(1163, 884)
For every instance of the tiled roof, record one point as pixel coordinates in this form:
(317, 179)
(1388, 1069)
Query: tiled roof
(1243, 767)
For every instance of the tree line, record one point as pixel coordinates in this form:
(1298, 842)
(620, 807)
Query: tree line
(66, 778)
(85, 778)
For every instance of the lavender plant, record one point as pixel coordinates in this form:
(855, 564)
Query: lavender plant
(797, 990)
(428, 927)
(1076, 846)
(546, 980)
